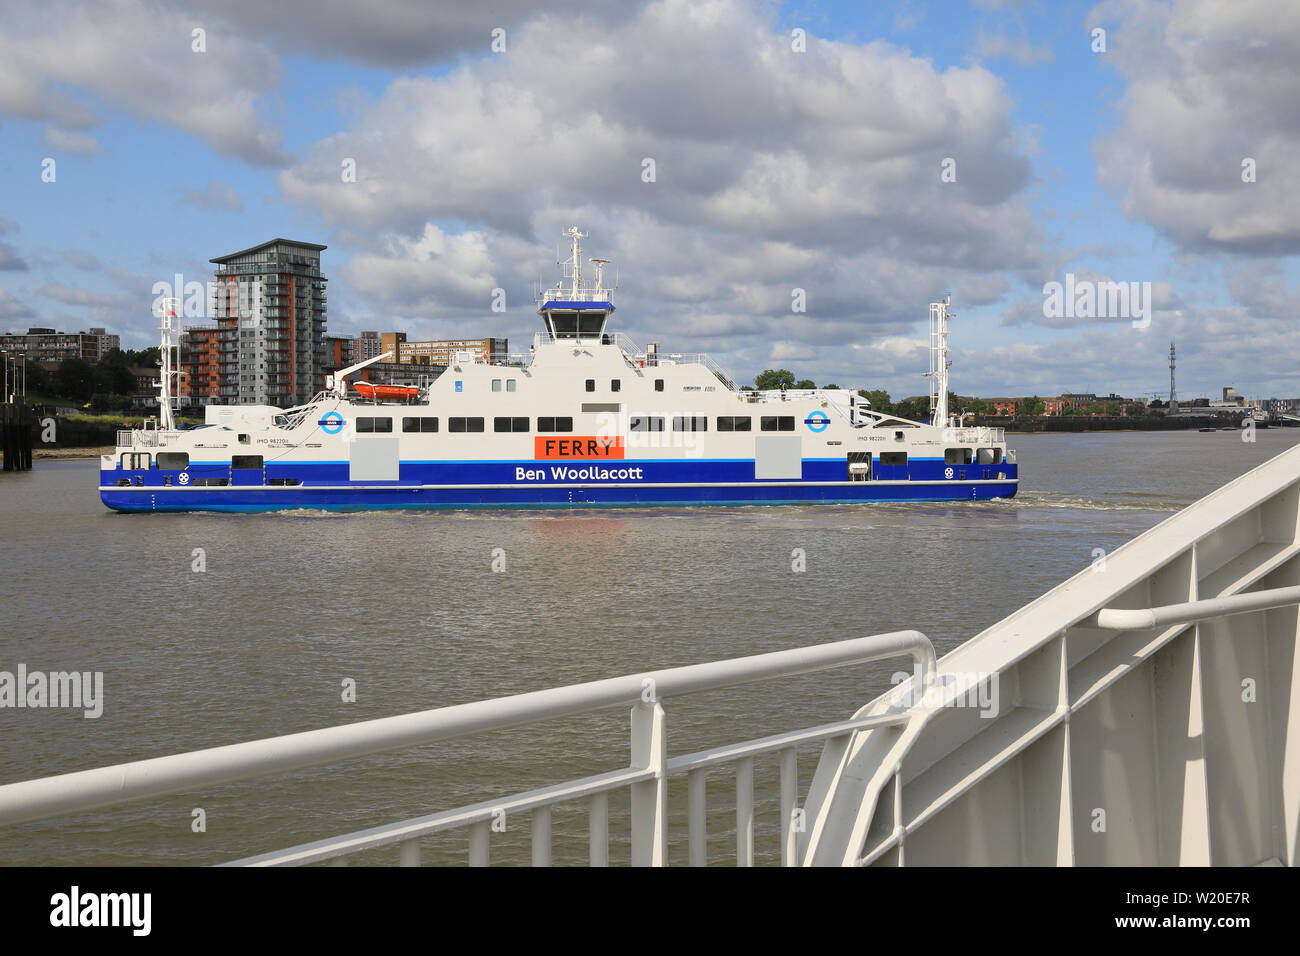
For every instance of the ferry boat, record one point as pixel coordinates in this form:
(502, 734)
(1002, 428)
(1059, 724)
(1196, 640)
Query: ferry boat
(588, 418)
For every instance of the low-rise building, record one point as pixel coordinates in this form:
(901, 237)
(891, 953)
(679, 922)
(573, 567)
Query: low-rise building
(50, 345)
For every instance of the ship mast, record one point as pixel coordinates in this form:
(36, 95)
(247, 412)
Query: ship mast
(167, 313)
(939, 363)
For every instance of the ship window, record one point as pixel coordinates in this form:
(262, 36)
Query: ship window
(564, 325)
(591, 384)
(244, 440)
(734, 423)
(893, 458)
(510, 424)
(246, 461)
(413, 424)
(987, 456)
(374, 425)
(615, 385)
(549, 424)
(659, 385)
(173, 460)
(957, 456)
(496, 384)
(590, 323)
(645, 423)
(464, 424)
(777, 423)
(282, 481)
(690, 423)
(510, 384)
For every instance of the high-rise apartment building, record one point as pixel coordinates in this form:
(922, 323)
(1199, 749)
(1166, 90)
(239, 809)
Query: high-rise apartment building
(270, 312)
(199, 379)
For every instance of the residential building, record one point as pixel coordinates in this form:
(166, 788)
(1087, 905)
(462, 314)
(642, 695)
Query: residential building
(443, 351)
(270, 311)
(49, 345)
(199, 371)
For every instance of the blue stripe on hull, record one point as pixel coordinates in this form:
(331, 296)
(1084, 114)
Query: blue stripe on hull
(370, 497)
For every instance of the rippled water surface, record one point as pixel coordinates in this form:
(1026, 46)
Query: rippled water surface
(406, 604)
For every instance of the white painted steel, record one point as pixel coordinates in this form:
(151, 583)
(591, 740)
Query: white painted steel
(1119, 619)
(1146, 713)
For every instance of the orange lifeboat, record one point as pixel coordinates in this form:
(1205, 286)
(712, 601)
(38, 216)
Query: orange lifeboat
(386, 393)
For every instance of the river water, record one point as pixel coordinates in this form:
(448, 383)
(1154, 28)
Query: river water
(407, 605)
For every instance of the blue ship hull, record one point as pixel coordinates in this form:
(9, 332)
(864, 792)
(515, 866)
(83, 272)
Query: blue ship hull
(423, 485)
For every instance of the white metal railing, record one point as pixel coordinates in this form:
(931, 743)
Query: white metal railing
(646, 776)
(697, 358)
(1137, 619)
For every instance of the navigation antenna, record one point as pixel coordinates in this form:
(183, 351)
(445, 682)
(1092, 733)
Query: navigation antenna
(599, 266)
(167, 315)
(939, 364)
(572, 268)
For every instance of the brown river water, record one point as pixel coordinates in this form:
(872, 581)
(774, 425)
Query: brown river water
(407, 605)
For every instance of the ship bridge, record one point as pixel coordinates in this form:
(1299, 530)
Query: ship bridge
(574, 308)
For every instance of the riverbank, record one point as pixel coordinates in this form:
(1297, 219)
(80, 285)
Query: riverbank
(91, 451)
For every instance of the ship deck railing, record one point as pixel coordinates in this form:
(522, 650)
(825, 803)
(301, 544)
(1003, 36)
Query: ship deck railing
(649, 694)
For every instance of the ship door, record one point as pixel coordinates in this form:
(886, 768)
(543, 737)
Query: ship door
(859, 465)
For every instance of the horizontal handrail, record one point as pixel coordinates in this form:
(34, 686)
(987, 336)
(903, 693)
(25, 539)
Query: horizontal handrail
(178, 773)
(1126, 619)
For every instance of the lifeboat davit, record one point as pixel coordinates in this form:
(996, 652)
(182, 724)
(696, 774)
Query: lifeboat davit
(386, 393)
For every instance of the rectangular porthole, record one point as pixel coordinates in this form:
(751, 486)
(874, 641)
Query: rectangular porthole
(777, 423)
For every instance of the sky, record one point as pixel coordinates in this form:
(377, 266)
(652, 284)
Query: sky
(863, 158)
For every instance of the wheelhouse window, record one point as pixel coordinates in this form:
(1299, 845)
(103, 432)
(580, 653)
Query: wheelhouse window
(368, 425)
(503, 424)
(777, 423)
(464, 425)
(690, 423)
(554, 424)
(419, 424)
(735, 423)
(645, 423)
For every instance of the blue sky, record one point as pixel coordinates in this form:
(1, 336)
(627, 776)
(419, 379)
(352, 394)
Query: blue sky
(777, 170)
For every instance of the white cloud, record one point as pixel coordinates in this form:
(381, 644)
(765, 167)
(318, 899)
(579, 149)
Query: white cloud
(1208, 85)
(137, 57)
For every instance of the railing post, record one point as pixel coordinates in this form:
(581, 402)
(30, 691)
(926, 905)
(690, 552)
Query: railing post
(598, 830)
(697, 803)
(789, 794)
(745, 812)
(649, 797)
(409, 853)
(479, 843)
(542, 836)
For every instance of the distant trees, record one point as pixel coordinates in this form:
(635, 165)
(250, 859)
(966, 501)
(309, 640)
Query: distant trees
(75, 379)
(878, 398)
(805, 383)
(774, 378)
